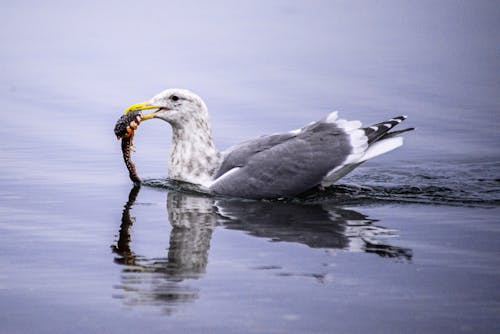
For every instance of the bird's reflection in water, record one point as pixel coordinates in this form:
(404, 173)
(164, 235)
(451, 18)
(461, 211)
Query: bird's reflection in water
(165, 281)
(160, 281)
(315, 225)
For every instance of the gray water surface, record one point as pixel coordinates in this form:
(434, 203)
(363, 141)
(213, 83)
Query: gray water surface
(408, 243)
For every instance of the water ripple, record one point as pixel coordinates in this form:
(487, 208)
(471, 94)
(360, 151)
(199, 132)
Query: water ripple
(467, 184)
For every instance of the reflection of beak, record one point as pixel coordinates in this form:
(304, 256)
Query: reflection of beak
(143, 106)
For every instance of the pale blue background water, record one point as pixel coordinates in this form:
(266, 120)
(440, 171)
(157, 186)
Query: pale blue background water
(70, 68)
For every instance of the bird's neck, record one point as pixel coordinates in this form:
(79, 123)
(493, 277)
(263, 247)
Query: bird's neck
(194, 157)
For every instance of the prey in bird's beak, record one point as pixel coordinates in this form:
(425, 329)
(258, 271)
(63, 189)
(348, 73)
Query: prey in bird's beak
(130, 120)
(143, 106)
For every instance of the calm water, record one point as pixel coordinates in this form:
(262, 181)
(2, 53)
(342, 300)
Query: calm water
(407, 243)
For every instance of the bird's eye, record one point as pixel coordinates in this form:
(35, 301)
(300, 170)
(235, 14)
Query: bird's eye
(174, 98)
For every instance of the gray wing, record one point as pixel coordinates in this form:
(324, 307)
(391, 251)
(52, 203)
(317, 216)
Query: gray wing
(282, 165)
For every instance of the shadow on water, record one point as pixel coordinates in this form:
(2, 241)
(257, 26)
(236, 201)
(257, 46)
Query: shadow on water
(161, 281)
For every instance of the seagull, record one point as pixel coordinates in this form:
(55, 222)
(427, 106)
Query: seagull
(280, 165)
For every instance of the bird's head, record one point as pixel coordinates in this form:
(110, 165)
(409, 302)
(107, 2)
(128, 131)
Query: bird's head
(176, 106)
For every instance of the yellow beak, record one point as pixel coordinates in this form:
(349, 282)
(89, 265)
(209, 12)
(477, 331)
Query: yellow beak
(142, 106)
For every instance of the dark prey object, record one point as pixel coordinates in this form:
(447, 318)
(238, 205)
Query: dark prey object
(124, 126)
(124, 130)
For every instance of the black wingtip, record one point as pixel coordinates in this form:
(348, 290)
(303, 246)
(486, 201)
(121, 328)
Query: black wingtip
(381, 130)
(396, 133)
(398, 119)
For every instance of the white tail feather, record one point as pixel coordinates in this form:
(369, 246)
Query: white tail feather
(381, 147)
(376, 149)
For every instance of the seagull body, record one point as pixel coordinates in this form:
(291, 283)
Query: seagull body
(279, 165)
